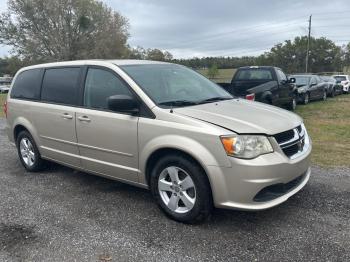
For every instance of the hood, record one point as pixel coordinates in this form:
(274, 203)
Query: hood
(242, 116)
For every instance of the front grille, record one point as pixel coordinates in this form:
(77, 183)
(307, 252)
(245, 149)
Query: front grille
(284, 136)
(274, 191)
(292, 141)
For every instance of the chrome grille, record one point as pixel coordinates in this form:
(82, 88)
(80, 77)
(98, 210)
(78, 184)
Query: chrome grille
(293, 142)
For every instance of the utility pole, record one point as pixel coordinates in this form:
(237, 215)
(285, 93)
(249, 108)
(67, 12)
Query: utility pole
(308, 46)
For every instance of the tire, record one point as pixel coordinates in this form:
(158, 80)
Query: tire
(333, 92)
(306, 98)
(324, 97)
(169, 189)
(292, 105)
(28, 152)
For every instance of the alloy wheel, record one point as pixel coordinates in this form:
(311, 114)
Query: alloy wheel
(177, 189)
(27, 152)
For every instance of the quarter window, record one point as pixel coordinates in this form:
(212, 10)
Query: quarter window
(60, 85)
(100, 85)
(27, 85)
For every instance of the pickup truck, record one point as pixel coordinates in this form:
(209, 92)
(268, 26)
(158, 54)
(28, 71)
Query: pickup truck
(265, 84)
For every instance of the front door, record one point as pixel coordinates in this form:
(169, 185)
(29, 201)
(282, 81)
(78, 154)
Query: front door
(107, 140)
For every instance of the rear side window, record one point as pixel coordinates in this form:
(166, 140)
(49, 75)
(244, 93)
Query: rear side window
(100, 85)
(60, 85)
(254, 74)
(27, 85)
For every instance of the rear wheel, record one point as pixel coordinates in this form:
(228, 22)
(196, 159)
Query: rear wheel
(28, 152)
(181, 189)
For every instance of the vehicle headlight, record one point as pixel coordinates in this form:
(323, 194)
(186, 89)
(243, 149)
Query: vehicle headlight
(246, 146)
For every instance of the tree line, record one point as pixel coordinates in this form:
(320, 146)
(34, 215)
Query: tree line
(48, 30)
(324, 56)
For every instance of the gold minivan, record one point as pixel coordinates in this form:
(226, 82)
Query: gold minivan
(160, 126)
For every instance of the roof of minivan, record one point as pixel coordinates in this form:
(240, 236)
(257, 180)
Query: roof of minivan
(118, 62)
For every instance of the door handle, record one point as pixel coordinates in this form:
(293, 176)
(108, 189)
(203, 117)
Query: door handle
(67, 116)
(84, 119)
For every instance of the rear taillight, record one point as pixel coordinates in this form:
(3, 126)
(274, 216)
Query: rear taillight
(250, 97)
(5, 108)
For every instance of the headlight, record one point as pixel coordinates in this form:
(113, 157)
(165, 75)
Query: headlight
(246, 146)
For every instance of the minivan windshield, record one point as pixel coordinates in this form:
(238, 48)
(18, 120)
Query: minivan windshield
(170, 85)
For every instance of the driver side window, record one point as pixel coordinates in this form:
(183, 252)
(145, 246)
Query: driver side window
(100, 85)
(313, 81)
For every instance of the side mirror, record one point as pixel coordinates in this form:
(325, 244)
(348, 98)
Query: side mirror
(313, 84)
(123, 104)
(291, 80)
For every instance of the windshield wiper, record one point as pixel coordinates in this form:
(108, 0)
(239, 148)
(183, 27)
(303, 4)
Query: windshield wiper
(178, 103)
(214, 99)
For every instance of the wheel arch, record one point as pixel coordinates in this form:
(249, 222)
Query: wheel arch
(161, 152)
(22, 124)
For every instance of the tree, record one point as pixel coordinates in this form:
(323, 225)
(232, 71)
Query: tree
(51, 30)
(158, 55)
(290, 55)
(213, 71)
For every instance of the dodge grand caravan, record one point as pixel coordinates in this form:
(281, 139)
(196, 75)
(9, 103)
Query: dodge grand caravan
(159, 126)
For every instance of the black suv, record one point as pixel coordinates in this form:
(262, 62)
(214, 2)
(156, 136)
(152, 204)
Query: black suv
(265, 84)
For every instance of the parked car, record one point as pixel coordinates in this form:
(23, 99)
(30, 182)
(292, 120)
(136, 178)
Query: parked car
(159, 126)
(4, 89)
(310, 87)
(333, 88)
(344, 80)
(265, 84)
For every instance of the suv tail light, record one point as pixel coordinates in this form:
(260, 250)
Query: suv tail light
(250, 97)
(5, 108)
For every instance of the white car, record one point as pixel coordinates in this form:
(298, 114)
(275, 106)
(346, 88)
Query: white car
(4, 89)
(344, 80)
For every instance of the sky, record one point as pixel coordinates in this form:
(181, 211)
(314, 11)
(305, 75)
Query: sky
(198, 28)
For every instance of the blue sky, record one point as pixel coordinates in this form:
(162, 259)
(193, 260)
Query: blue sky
(190, 28)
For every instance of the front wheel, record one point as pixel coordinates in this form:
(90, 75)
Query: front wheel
(181, 189)
(324, 97)
(306, 98)
(292, 104)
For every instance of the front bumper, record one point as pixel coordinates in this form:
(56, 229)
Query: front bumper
(237, 187)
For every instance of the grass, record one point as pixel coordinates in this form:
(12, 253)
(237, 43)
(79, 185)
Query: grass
(328, 124)
(2, 101)
(224, 76)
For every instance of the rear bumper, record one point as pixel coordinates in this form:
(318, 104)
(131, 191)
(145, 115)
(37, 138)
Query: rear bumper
(260, 183)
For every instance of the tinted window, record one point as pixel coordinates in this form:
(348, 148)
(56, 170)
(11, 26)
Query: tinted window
(27, 85)
(301, 80)
(340, 78)
(281, 75)
(254, 74)
(100, 85)
(60, 85)
(313, 81)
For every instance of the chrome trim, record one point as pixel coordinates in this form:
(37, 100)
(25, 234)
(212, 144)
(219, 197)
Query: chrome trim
(294, 139)
(302, 138)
